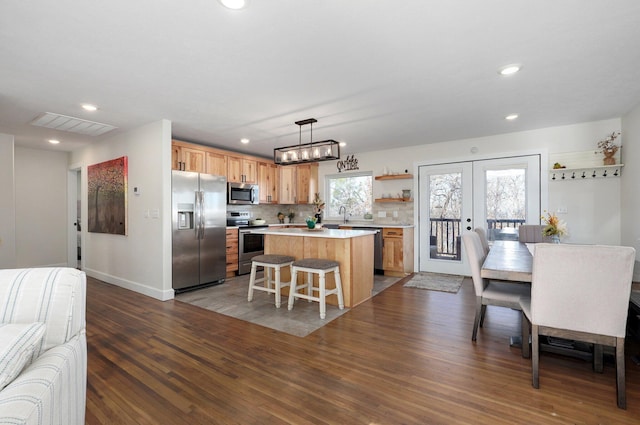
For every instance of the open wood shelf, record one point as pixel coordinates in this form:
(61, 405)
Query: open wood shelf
(393, 200)
(395, 177)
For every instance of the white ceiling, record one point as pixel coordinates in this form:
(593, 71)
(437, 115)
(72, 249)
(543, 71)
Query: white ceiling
(375, 74)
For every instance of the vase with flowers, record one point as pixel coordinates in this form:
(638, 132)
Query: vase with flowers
(318, 207)
(608, 148)
(553, 227)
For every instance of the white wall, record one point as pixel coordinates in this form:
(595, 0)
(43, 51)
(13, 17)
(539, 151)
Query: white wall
(141, 260)
(630, 199)
(41, 207)
(7, 203)
(593, 205)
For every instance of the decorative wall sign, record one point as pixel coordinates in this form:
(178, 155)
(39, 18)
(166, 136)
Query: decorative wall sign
(348, 164)
(107, 196)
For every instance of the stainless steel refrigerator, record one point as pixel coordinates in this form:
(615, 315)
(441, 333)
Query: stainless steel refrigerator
(199, 229)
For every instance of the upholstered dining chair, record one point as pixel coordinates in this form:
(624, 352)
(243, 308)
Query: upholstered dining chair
(483, 238)
(489, 292)
(531, 233)
(580, 292)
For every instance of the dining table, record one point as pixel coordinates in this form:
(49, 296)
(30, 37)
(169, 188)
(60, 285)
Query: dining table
(509, 261)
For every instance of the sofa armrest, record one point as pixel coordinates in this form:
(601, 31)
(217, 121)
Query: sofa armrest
(53, 295)
(51, 390)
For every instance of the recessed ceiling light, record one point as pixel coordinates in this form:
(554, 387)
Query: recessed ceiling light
(54, 141)
(244, 141)
(509, 69)
(234, 4)
(89, 107)
(511, 117)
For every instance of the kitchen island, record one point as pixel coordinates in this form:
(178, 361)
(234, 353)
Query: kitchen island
(353, 249)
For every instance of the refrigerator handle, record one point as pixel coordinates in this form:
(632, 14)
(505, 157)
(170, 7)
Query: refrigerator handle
(201, 204)
(197, 211)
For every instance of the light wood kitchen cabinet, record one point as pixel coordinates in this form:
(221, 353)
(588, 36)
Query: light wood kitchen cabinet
(287, 193)
(397, 251)
(298, 183)
(216, 163)
(241, 170)
(306, 183)
(268, 174)
(232, 252)
(186, 158)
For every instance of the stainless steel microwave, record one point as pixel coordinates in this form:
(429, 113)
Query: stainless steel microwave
(242, 193)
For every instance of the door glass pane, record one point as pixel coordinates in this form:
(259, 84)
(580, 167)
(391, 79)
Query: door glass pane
(506, 203)
(445, 208)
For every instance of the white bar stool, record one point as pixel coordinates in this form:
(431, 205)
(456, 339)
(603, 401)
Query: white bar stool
(321, 268)
(269, 262)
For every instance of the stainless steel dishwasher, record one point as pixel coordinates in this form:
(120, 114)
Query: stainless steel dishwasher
(377, 247)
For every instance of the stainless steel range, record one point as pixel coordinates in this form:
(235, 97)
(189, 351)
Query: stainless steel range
(249, 244)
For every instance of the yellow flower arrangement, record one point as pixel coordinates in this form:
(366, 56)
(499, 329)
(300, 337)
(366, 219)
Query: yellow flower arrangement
(553, 225)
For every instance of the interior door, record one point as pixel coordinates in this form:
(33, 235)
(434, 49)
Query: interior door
(446, 208)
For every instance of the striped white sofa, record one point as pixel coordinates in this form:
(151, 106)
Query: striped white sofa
(42, 325)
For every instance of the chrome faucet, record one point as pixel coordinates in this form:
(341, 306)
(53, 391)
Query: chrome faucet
(343, 210)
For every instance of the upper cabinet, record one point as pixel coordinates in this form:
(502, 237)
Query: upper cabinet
(306, 182)
(291, 184)
(216, 163)
(242, 170)
(287, 193)
(298, 183)
(268, 177)
(187, 158)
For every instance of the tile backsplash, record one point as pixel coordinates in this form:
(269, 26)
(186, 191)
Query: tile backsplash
(383, 212)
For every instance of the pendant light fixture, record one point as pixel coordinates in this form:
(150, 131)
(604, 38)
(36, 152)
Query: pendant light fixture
(309, 152)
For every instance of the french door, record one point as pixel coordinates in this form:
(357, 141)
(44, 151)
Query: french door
(495, 194)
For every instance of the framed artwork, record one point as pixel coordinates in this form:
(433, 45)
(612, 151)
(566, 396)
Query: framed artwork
(107, 197)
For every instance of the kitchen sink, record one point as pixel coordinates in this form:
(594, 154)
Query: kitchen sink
(330, 226)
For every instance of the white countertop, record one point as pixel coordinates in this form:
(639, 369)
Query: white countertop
(314, 233)
(354, 225)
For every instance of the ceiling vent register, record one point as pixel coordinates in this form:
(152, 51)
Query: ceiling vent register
(71, 124)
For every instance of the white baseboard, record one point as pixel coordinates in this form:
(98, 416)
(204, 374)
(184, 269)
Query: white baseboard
(132, 286)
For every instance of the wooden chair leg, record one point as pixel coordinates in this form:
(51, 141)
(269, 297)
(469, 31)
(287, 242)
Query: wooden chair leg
(598, 354)
(535, 356)
(483, 312)
(620, 372)
(476, 322)
(526, 351)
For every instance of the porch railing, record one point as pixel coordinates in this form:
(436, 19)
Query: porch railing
(445, 234)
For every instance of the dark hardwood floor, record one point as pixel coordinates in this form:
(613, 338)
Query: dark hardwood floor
(404, 357)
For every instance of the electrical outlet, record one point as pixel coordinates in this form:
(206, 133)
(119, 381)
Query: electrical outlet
(395, 214)
(561, 210)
